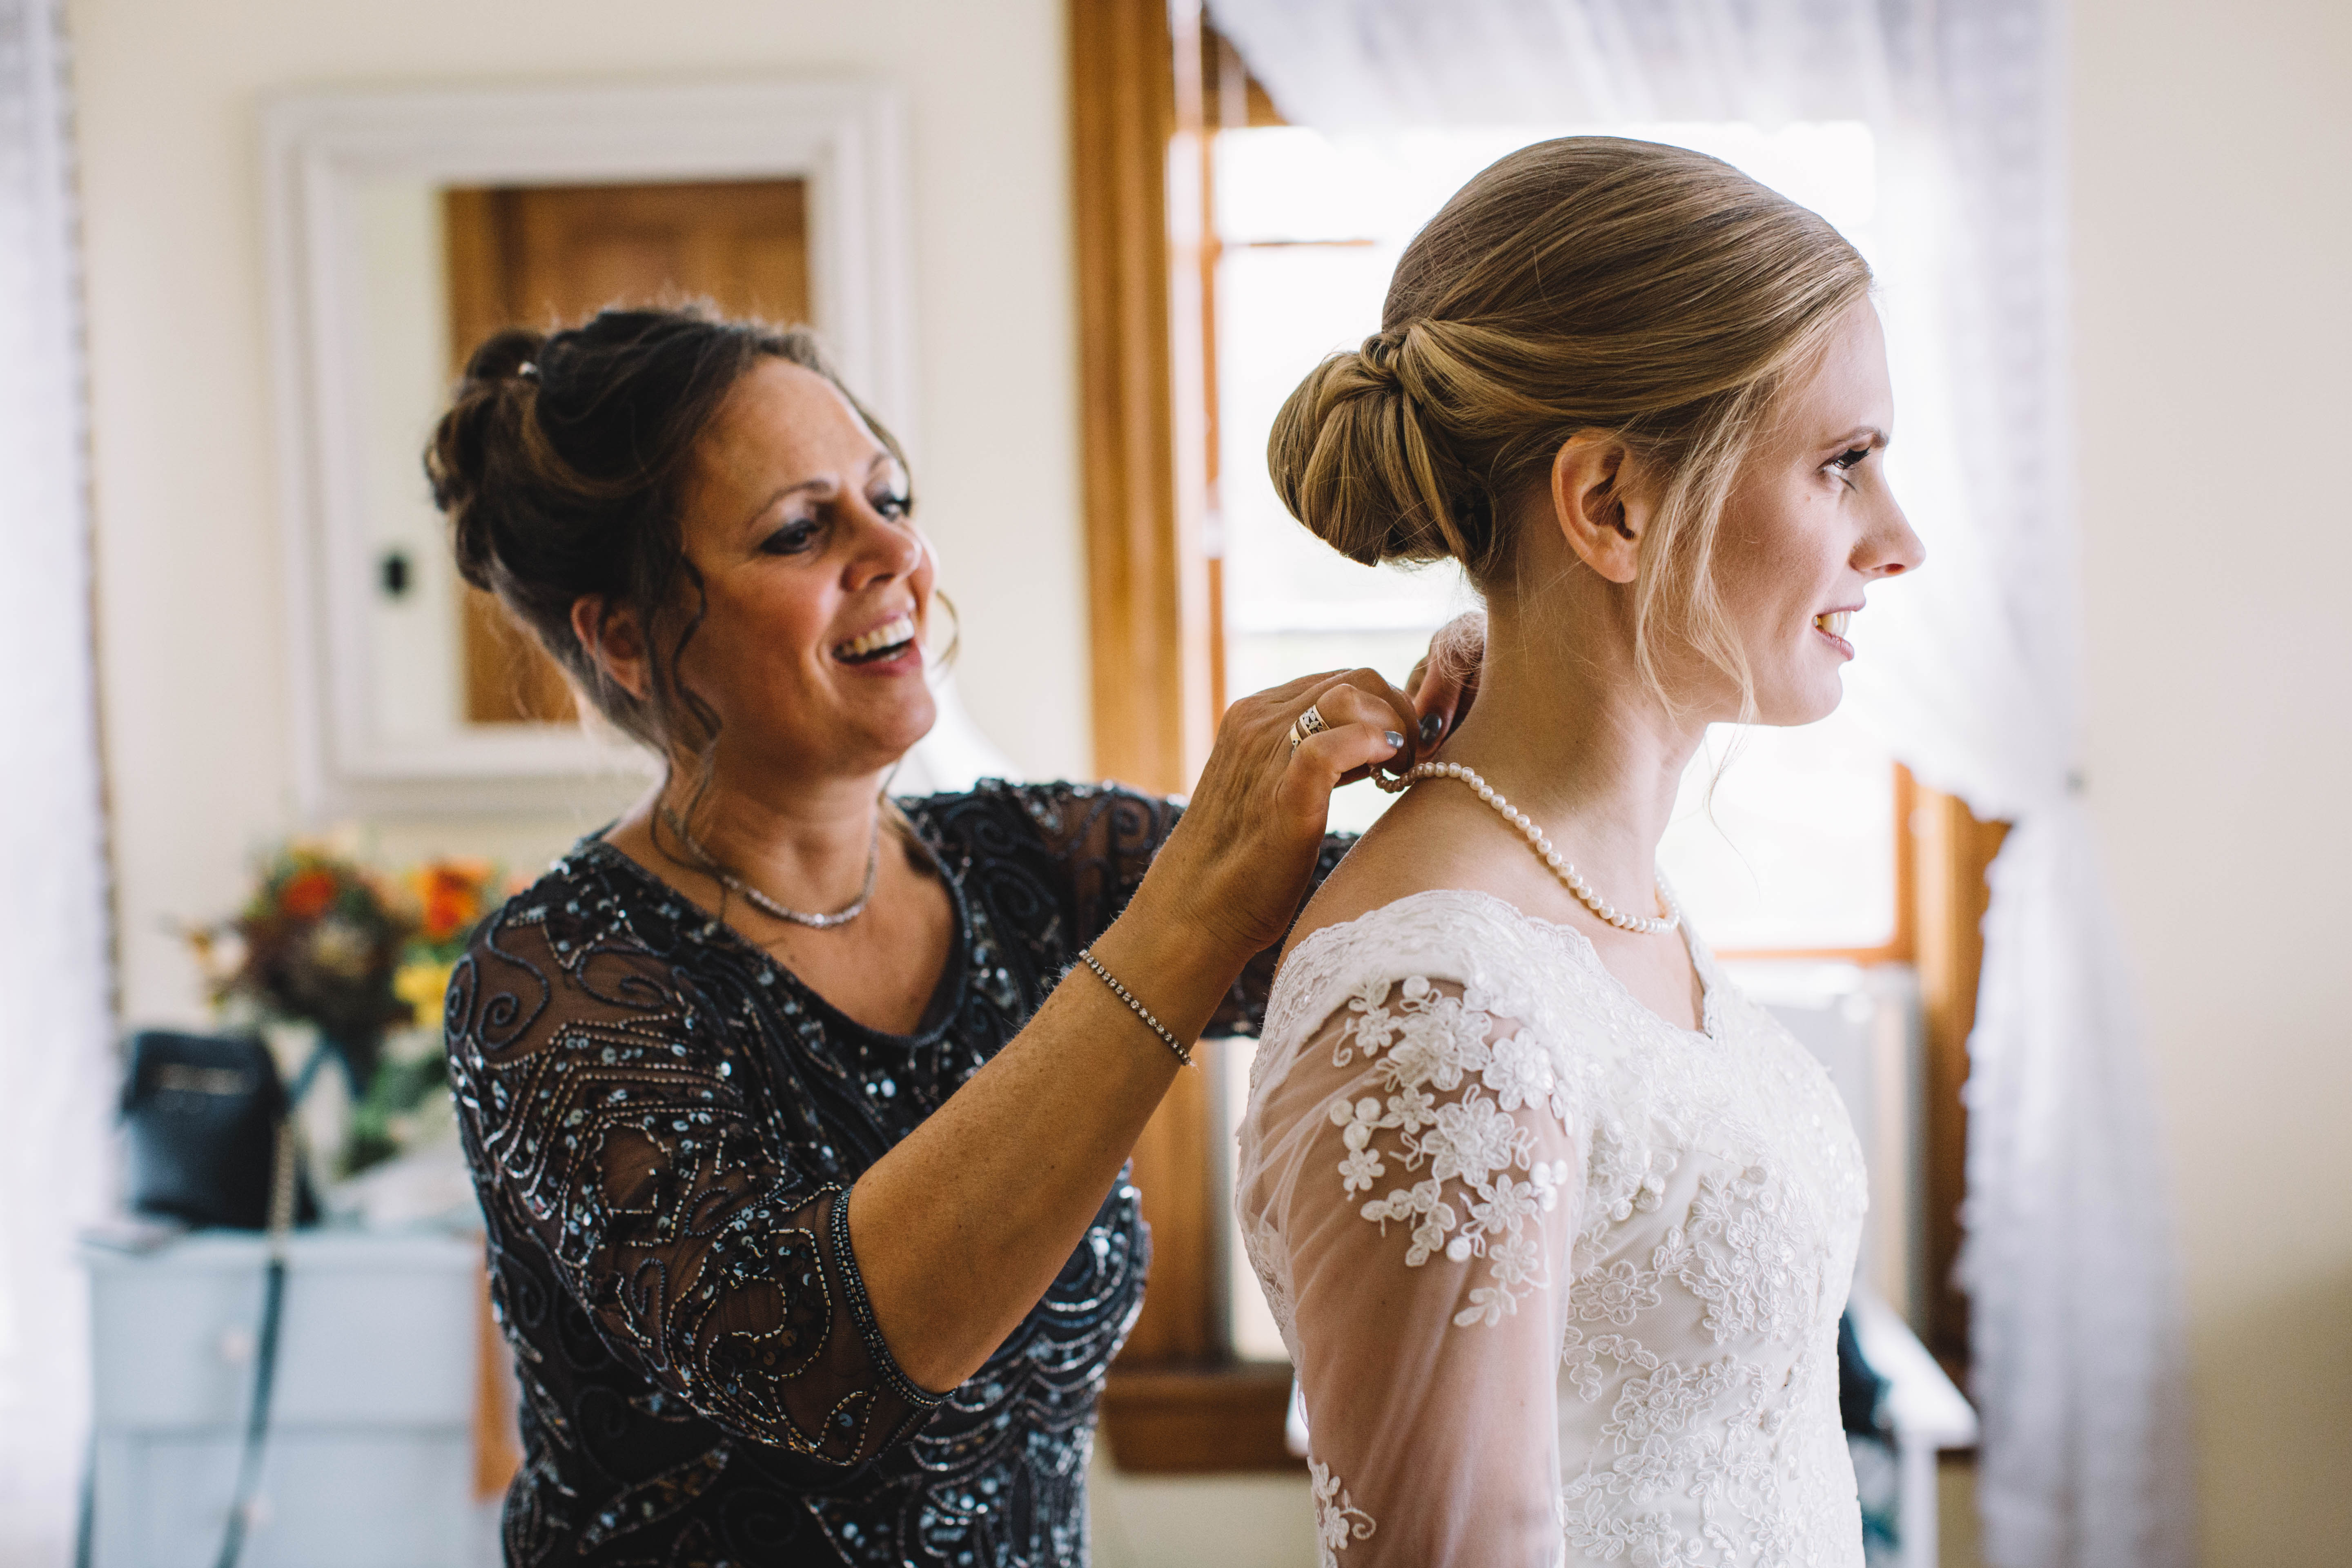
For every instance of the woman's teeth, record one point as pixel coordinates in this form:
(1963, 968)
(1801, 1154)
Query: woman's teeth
(1835, 621)
(880, 639)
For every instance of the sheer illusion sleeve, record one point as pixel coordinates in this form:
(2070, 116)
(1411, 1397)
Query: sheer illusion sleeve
(1413, 1165)
(611, 1116)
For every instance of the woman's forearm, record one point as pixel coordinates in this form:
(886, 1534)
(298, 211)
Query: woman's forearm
(961, 1227)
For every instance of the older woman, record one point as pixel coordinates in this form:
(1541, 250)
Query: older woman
(799, 1156)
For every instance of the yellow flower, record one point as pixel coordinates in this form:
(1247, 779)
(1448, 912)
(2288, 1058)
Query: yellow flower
(421, 985)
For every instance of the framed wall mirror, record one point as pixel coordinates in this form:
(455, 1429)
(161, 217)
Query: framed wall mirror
(403, 228)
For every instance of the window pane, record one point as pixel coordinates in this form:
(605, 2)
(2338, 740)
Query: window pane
(1794, 845)
(1292, 603)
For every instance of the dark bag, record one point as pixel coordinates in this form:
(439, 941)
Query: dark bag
(212, 1144)
(202, 1114)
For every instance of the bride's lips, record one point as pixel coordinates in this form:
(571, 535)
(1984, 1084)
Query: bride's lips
(1831, 624)
(887, 646)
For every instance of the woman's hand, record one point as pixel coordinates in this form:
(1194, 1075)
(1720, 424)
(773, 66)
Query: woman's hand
(1236, 867)
(962, 1227)
(1445, 682)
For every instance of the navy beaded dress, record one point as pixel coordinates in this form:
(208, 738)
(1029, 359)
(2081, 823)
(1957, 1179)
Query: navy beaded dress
(662, 1122)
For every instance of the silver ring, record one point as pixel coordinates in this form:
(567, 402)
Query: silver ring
(1310, 722)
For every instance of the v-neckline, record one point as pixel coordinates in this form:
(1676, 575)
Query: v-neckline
(939, 1008)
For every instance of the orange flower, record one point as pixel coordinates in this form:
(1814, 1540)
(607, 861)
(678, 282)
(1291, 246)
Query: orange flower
(308, 893)
(451, 894)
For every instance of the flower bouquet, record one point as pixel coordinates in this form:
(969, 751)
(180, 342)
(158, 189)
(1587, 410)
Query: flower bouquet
(360, 962)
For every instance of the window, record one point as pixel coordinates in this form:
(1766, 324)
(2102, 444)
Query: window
(1219, 253)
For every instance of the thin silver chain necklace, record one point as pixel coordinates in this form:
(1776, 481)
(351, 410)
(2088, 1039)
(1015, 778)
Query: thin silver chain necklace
(766, 905)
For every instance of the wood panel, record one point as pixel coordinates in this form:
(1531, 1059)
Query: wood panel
(539, 256)
(498, 1453)
(542, 255)
(1148, 590)
(1138, 199)
(1953, 851)
(1183, 1322)
(1200, 1420)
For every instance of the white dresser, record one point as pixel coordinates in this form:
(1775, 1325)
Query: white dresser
(370, 1462)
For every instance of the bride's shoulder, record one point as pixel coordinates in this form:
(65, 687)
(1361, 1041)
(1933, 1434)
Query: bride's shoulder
(1425, 895)
(1466, 941)
(1408, 858)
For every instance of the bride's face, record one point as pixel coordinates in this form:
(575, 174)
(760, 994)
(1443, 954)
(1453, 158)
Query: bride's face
(1811, 524)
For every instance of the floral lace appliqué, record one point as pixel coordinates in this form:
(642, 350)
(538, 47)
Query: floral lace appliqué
(1431, 1043)
(1338, 1520)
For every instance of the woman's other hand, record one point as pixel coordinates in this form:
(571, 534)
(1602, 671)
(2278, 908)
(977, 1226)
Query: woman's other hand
(1445, 682)
(1236, 867)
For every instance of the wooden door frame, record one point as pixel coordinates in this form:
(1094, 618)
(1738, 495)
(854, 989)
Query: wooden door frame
(1176, 1400)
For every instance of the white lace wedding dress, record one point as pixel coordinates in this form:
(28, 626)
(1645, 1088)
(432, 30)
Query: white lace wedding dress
(1561, 1280)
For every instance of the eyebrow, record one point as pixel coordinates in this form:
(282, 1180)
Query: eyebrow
(821, 482)
(1861, 435)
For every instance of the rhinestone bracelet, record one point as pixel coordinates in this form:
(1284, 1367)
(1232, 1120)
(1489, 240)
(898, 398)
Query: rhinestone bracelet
(1086, 957)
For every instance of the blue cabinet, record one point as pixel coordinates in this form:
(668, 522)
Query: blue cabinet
(370, 1462)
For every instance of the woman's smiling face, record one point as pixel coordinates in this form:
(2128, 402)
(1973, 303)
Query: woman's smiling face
(1811, 523)
(816, 586)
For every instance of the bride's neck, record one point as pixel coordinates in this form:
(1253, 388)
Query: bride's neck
(1566, 728)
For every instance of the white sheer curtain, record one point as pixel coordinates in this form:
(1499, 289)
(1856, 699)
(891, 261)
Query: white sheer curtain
(56, 1065)
(1968, 670)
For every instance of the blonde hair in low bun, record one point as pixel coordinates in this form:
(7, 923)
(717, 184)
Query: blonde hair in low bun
(1590, 282)
(1354, 456)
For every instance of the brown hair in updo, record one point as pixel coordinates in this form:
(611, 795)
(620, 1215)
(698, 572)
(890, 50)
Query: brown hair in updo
(1588, 282)
(562, 463)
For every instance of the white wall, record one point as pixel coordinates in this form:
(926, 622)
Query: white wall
(2212, 147)
(192, 642)
(2212, 167)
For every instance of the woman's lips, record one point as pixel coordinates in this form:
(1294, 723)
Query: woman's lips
(880, 646)
(1831, 624)
(904, 659)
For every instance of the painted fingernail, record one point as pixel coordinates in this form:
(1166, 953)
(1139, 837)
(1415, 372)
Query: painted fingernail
(1432, 726)
(1395, 741)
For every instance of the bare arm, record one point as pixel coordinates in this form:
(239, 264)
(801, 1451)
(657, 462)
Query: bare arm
(961, 1227)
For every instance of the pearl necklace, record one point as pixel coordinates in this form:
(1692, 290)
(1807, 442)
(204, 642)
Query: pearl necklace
(1556, 863)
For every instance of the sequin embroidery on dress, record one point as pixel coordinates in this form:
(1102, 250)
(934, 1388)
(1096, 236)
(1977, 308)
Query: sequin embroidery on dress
(660, 1120)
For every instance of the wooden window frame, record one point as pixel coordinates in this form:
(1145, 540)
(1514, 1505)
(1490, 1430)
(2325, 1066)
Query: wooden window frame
(1149, 83)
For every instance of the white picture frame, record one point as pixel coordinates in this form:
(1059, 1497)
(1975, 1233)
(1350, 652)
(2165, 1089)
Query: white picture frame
(320, 149)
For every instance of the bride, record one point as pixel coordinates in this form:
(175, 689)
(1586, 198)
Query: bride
(1557, 1223)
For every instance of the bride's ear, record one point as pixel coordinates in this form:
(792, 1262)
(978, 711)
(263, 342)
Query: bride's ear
(1598, 507)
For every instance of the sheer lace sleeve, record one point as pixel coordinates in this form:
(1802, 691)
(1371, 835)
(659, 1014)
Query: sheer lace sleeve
(1410, 1172)
(614, 1119)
